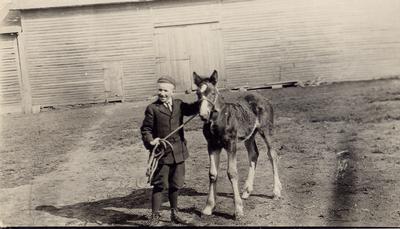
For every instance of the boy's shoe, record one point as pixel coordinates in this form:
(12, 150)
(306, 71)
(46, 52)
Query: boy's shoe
(178, 218)
(154, 220)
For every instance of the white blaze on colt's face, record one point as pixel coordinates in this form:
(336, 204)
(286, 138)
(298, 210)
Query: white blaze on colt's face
(205, 109)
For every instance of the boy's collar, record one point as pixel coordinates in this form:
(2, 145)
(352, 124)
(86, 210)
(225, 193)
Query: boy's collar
(170, 100)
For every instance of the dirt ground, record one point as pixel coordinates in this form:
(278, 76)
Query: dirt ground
(76, 166)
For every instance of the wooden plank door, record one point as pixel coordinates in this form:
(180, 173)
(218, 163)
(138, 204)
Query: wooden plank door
(172, 56)
(206, 51)
(184, 49)
(113, 74)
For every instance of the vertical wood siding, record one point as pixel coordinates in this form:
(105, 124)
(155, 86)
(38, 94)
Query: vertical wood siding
(10, 95)
(330, 40)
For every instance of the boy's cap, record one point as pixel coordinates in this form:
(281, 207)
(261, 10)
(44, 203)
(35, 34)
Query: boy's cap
(166, 79)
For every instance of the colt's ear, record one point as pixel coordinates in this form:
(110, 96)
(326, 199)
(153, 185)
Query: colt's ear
(197, 79)
(214, 77)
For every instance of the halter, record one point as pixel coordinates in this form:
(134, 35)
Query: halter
(208, 100)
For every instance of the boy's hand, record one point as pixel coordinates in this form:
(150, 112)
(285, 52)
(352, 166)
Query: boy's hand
(155, 142)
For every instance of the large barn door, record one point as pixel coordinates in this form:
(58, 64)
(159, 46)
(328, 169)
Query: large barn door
(184, 49)
(173, 58)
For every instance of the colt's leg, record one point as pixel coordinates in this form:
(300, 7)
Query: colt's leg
(273, 158)
(233, 178)
(253, 153)
(213, 175)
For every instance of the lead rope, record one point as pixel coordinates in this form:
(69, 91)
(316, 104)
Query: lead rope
(154, 157)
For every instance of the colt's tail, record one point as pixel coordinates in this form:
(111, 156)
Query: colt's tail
(270, 110)
(268, 116)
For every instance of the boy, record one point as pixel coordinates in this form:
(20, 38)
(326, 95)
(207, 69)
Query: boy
(161, 118)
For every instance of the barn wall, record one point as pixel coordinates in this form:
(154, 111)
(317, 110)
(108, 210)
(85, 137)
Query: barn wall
(178, 12)
(263, 41)
(330, 40)
(10, 94)
(67, 49)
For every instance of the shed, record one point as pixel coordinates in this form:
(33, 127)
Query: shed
(11, 85)
(91, 51)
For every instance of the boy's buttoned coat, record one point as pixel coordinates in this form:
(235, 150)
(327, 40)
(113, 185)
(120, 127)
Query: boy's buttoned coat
(159, 121)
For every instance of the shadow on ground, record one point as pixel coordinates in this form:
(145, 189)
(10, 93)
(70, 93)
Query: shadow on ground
(102, 212)
(99, 212)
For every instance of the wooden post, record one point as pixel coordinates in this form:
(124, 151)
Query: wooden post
(25, 83)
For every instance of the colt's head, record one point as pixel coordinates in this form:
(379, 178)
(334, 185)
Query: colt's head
(207, 93)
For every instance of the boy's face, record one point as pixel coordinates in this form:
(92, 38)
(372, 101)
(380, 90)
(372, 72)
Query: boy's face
(165, 91)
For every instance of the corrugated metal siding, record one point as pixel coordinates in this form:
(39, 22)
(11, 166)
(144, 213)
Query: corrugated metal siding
(66, 50)
(10, 94)
(329, 40)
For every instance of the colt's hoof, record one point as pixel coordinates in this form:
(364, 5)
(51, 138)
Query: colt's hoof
(245, 195)
(239, 214)
(239, 217)
(277, 191)
(247, 191)
(207, 211)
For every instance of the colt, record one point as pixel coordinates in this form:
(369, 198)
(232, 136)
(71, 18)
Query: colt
(226, 124)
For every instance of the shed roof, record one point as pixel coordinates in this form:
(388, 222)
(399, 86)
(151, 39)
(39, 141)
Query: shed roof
(43, 4)
(9, 20)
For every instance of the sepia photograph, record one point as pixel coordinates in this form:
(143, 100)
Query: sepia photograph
(199, 113)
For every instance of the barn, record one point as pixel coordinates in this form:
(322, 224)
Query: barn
(91, 51)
